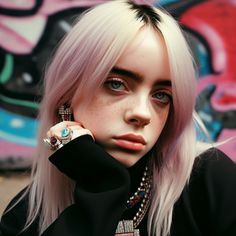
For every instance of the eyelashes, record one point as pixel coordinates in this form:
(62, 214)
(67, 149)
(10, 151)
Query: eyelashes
(120, 86)
(115, 84)
(162, 97)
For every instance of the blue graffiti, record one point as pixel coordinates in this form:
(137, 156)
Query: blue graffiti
(17, 128)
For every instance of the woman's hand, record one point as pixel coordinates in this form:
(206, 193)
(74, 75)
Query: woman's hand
(63, 132)
(76, 128)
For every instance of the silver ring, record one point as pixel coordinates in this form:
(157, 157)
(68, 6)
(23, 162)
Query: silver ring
(53, 142)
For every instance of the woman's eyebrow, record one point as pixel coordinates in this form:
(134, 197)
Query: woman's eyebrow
(163, 82)
(126, 73)
(130, 74)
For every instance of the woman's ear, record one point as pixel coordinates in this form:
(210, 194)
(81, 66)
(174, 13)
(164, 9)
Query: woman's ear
(65, 112)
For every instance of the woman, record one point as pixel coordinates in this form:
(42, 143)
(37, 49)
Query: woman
(123, 157)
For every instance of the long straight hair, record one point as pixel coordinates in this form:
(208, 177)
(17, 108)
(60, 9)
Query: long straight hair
(80, 65)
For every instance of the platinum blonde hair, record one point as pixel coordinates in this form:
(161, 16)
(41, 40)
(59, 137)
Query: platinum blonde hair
(81, 64)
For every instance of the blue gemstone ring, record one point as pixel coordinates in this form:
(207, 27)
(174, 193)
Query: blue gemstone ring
(66, 135)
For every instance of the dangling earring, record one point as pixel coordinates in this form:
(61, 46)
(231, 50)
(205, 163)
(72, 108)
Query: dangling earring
(65, 112)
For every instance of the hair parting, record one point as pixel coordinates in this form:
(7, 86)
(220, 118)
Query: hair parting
(146, 14)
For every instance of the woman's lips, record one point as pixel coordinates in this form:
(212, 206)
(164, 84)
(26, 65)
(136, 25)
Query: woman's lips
(131, 142)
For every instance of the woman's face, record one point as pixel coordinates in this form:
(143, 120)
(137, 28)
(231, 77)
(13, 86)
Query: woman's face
(128, 112)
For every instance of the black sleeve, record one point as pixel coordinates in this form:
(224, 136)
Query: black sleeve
(102, 188)
(207, 205)
(101, 191)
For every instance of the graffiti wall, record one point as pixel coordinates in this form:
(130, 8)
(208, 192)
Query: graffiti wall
(210, 26)
(30, 29)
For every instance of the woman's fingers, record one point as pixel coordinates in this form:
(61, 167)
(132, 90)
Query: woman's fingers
(70, 129)
(79, 132)
(63, 132)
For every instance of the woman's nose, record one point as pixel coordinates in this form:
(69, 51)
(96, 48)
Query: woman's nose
(138, 113)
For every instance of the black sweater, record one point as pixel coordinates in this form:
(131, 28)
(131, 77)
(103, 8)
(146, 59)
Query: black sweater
(207, 205)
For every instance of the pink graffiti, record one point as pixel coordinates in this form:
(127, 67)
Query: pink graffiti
(20, 35)
(15, 156)
(19, 150)
(214, 21)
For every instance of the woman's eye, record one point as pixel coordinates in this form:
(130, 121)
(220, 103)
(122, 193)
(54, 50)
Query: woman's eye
(116, 85)
(162, 97)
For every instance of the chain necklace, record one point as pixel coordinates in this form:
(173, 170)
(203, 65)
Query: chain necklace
(143, 195)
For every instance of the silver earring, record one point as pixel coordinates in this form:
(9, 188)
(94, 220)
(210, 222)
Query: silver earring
(65, 112)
